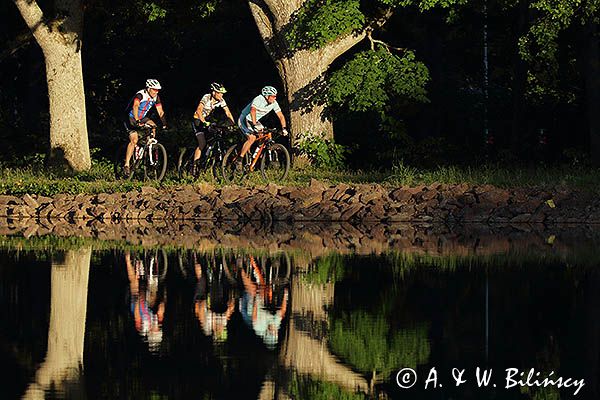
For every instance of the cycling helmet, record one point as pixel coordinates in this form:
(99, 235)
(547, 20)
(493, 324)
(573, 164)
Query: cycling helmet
(153, 84)
(269, 91)
(217, 87)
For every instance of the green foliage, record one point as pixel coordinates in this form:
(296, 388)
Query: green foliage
(371, 77)
(319, 22)
(369, 343)
(153, 11)
(303, 387)
(326, 269)
(321, 152)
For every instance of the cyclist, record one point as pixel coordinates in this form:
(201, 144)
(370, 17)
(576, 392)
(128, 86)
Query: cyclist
(249, 119)
(139, 108)
(147, 301)
(207, 104)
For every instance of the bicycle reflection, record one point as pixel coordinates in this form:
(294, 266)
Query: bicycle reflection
(264, 302)
(226, 283)
(214, 298)
(148, 294)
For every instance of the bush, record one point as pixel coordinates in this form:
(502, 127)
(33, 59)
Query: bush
(320, 151)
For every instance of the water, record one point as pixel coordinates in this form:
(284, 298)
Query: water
(86, 319)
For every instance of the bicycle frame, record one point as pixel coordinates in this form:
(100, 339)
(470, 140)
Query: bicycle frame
(264, 138)
(151, 142)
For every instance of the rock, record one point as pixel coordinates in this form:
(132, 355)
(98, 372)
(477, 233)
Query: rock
(30, 201)
(149, 190)
(401, 195)
(10, 200)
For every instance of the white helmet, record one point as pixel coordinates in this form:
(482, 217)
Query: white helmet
(153, 84)
(269, 91)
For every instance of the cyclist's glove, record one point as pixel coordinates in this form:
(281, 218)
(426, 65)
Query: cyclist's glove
(284, 132)
(206, 124)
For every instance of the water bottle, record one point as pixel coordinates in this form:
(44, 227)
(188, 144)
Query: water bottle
(139, 152)
(255, 153)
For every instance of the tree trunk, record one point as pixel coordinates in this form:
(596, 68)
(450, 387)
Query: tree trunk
(60, 41)
(64, 359)
(592, 87)
(68, 128)
(302, 72)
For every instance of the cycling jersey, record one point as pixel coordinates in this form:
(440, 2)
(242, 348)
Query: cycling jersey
(146, 103)
(262, 107)
(209, 105)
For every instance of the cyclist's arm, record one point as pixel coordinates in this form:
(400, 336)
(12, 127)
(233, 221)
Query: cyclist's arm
(161, 113)
(136, 106)
(228, 114)
(281, 119)
(199, 112)
(253, 115)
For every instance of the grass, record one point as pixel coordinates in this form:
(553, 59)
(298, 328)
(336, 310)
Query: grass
(35, 178)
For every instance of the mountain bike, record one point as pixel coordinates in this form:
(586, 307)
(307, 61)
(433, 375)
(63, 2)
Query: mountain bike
(148, 161)
(273, 158)
(212, 155)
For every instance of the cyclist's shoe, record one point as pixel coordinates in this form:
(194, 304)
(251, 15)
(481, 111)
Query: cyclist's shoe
(126, 170)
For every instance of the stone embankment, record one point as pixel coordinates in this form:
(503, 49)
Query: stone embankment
(317, 202)
(564, 241)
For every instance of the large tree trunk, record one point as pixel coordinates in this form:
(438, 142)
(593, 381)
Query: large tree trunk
(64, 359)
(592, 87)
(60, 41)
(302, 72)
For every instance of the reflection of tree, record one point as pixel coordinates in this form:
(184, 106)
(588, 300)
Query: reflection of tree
(308, 354)
(369, 343)
(64, 358)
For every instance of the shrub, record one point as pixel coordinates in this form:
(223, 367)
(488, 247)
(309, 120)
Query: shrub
(320, 151)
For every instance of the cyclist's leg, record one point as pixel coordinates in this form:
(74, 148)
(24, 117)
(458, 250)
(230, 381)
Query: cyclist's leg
(201, 138)
(133, 139)
(250, 136)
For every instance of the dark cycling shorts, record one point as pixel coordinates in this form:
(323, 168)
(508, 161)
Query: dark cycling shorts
(133, 124)
(201, 133)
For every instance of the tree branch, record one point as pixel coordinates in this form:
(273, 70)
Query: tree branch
(387, 46)
(333, 50)
(34, 18)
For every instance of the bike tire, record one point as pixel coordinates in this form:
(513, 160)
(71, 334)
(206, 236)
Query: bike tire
(185, 164)
(157, 171)
(230, 171)
(275, 163)
(119, 162)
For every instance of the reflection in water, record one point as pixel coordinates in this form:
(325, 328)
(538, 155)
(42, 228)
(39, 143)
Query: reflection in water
(215, 298)
(60, 371)
(148, 294)
(255, 325)
(258, 304)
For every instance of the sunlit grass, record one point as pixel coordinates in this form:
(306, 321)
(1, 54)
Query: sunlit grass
(32, 176)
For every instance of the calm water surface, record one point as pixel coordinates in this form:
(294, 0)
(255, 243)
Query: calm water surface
(233, 324)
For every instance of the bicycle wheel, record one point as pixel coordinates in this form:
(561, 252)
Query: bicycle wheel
(156, 169)
(275, 163)
(232, 171)
(185, 165)
(119, 163)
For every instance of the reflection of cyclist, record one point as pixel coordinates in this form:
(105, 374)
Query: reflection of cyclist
(254, 306)
(214, 301)
(139, 108)
(208, 103)
(147, 299)
(253, 112)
